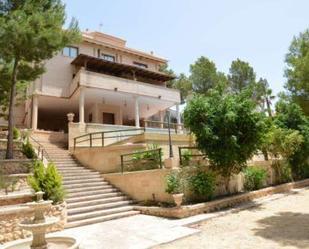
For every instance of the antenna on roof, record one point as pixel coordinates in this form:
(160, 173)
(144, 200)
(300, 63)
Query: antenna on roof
(100, 27)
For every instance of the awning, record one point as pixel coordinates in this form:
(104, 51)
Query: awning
(92, 62)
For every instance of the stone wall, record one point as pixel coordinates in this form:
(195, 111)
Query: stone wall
(150, 184)
(15, 166)
(15, 198)
(11, 217)
(231, 201)
(105, 159)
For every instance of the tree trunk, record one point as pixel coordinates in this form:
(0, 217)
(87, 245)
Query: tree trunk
(268, 107)
(9, 148)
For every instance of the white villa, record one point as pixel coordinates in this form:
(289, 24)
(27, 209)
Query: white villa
(101, 81)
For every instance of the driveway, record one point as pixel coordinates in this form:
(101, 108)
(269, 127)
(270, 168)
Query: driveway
(280, 223)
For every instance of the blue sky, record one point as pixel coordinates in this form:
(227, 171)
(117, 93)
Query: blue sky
(257, 31)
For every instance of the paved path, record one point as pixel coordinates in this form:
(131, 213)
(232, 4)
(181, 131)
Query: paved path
(281, 223)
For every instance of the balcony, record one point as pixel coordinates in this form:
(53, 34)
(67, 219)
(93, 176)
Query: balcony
(121, 85)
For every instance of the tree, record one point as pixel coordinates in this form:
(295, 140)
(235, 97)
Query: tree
(227, 129)
(290, 116)
(164, 68)
(204, 75)
(297, 71)
(31, 31)
(181, 82)
(241, 76)
(264, 96)
(184, 85)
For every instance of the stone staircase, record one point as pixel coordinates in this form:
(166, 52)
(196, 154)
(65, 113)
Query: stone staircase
(90, 199)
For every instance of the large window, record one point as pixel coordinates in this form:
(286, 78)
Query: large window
(140, 64)
(70, 51)
(108, 57)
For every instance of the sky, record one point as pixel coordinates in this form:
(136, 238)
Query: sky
(256, 31)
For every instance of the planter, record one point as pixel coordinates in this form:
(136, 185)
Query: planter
(178, 199)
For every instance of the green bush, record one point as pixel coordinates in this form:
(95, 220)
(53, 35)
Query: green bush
(28, 150)
(254, 178)
(173, 184)
(47, 180)
(16, 133)
(203, 184)
(186, 157)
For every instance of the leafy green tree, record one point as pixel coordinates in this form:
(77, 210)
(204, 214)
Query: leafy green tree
(184, 85)
(204, 76)
(297, 71)
(31, 31)
(290, 116)
(181, 82)
(164, 68)
(264, 96)
(241, 76)
(227, 129)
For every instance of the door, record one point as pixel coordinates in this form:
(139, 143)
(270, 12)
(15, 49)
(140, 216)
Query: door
(108, 118)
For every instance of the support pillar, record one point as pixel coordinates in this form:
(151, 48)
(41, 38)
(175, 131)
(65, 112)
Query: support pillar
(82, 106)
(162, 119)
(178, 114)
(137, 124)
(35, 106)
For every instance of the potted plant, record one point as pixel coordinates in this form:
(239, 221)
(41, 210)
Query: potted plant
(174, 187)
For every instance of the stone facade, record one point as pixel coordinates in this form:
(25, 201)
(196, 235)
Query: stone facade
(11, 217)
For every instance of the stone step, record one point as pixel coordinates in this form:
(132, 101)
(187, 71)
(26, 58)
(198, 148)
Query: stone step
(84, 181)
(94, 176)
(92, 208)
(76, 170)
(100, 219)
(93, 197)
(66, 175)
(88, 202)
(86, 193)
(94, 214)
(72, 190)
(85, 185)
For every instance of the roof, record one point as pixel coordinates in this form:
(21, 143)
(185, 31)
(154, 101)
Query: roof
(116, 43)
(115, 67)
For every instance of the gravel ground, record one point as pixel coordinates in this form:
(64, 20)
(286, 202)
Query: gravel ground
(282, 223)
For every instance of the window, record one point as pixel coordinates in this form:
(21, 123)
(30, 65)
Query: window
(108, 57)
(70, 52)
(140, 64)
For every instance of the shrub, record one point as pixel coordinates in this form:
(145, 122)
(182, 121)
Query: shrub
(47, 180)
(173, 184)
(283, 171)
(202, 184)
(290, 116)
(16, 133)
(145, 160)
(186, 157)
(254, 178)
(28, 150)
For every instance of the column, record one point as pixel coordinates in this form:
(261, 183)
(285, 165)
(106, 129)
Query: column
(136, 112)
(178, 114)
(162, 119)
(82, 105)
(35, 105)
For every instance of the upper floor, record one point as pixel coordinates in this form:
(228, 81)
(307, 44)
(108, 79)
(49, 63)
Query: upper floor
(104, 55)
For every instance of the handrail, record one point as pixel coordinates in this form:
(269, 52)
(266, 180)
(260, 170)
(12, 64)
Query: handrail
(41, 150)
(175, 126)
(181, 148)
(92, 136)
(159, 154)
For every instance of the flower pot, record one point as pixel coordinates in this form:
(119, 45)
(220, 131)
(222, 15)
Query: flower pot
(178, 199)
